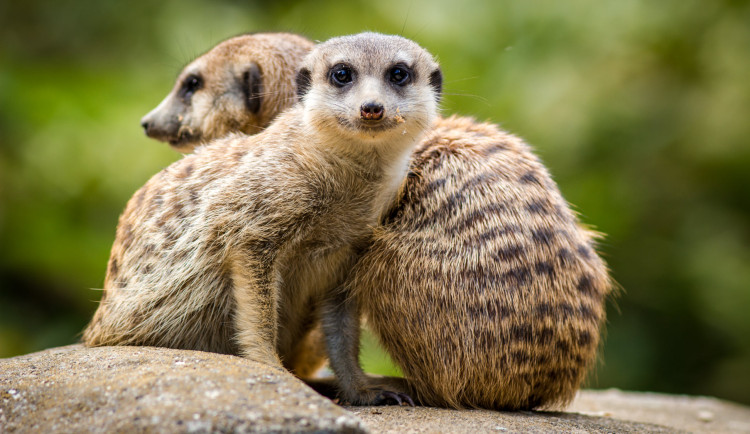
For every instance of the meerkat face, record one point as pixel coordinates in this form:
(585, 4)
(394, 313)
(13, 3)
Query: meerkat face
(239, 85)
(369, 86)
(208, 92)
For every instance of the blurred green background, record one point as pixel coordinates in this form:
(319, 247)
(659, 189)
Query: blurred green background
(640, 109)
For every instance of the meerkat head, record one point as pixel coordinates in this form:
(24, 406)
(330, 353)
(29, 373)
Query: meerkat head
(369, 87)
(239, 85)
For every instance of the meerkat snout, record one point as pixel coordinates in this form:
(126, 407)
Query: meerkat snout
(155, 129)
(371, 111)
(167, 121)
(144, 124)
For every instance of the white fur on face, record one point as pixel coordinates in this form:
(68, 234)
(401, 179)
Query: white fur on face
(407, 110)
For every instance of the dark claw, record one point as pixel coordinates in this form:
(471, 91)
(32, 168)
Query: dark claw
(384, 395)
(400, 398)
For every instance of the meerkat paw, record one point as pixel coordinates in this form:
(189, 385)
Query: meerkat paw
(381, 391)
(377, 396)
(387, 397)
(388, 393)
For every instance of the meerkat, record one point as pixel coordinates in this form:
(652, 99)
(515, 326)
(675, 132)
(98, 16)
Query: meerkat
(239, 85)
(251, 233)
(480, 283)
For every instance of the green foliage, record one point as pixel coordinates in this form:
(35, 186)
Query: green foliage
(640, 109)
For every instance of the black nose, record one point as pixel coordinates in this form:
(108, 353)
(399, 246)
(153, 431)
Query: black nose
(145, 125)
(371, 111)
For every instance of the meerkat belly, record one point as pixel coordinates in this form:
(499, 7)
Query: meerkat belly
(307, 278)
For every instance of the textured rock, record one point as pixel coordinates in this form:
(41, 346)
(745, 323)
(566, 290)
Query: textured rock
(686, 413)
(137, 389)
(74, 389)
(592, 411)
(436, 420)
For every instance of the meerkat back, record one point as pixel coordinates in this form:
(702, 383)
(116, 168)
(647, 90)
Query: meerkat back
(480, 283)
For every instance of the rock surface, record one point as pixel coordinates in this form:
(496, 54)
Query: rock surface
(592, 411)
(77, 389)
(436, 420)
(125, 389)
(686, 413)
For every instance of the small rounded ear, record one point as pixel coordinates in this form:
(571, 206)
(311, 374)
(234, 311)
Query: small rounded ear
(436, 81)
(252, 87)
(303, 83)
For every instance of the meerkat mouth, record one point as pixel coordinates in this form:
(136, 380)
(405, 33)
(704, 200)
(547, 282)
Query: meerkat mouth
(370, 126)
(184, 138)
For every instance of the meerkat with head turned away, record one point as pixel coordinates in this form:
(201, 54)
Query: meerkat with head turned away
(480, 283)
(250, 233)
(239, 85)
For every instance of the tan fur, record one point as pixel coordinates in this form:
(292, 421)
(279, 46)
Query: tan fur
(480, 283)
(235, 248)
(215, 110)
(245, 82)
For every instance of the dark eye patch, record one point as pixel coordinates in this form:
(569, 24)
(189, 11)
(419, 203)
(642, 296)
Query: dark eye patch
(341, 75)
(190, 85)
(399, 75)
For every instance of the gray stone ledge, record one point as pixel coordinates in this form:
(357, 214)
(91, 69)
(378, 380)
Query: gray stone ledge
(681, 412)
(142, 389)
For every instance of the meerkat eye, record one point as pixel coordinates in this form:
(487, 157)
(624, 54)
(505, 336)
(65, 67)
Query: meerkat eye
(341, 75)
(399, 75)
(190, 85)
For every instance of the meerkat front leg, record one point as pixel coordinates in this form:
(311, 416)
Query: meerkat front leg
(256, 292)
(341, 325)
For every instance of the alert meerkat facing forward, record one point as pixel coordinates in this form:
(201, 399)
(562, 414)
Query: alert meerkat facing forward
(251, 233)
(480, 283)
